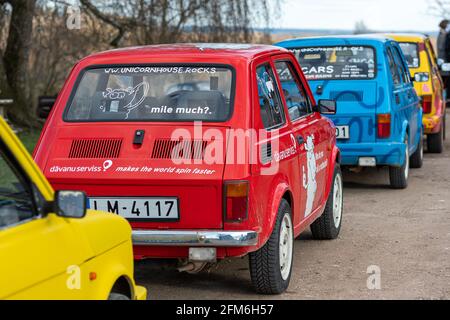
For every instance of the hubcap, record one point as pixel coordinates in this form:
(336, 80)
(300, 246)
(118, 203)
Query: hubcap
(286, 244)
(337, 201)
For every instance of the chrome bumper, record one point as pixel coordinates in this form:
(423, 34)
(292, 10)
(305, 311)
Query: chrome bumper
(195, 238)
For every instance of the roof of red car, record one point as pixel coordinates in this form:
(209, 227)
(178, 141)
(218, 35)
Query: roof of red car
(208, 50)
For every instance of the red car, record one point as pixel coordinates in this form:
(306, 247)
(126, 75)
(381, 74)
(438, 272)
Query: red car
(211, 151)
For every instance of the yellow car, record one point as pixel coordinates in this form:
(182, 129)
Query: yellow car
(428, 83)
(50, 246)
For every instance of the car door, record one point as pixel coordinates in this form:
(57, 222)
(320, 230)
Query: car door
(36, 251)
(398, 96)
(276, 147)
(436, 79)
(311, 133)
(410, 107)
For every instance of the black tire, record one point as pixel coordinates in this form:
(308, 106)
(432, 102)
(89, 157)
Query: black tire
(398, 176)
(416, 160)
(265, 266)
(325, 228)
(117, 296)
(435, 141)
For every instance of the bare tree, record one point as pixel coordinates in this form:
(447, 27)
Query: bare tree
(5, 14)
(163, 21)
(16, 55)
(37, 50)
(440, 8)
(361, 28)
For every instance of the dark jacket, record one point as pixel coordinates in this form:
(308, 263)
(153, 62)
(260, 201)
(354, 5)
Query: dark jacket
(447, 47)
(441, 43)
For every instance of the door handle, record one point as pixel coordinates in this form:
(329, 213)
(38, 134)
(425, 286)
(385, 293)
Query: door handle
(300, 140)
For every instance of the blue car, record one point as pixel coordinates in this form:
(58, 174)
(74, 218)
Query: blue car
(379, 118)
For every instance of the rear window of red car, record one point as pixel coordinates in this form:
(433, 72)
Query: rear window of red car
(152, 93)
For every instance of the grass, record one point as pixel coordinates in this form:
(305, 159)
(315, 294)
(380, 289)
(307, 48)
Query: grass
(8, 180)
(29, 138)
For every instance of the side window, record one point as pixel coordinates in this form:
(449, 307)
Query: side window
(271, 108)
(393, 68)
(404, 72)
(296, 99)
(16, 203)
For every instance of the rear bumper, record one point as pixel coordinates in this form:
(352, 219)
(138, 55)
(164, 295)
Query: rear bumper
(431, 124)
(385, 153)
(195, 238)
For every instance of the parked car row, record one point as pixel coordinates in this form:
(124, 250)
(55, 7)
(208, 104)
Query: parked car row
(216, 151)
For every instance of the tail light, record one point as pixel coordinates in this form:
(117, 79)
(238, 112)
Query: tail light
(426, 104)
(421, 77)
(236, 200)
(384, 125)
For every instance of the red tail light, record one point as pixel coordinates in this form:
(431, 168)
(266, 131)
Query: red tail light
(384, 125)
(236, 200)
(426, 104)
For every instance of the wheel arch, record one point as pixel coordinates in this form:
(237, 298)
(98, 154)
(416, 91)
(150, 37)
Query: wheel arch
(281, 191)
(123, 285)
(335, 159)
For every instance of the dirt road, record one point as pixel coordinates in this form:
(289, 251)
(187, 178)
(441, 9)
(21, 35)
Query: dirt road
(406, 234)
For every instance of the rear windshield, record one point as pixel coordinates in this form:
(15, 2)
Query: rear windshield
(337, 62)
(411, 53)
(160, 93)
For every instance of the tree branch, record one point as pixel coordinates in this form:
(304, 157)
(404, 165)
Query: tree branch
(98, 14)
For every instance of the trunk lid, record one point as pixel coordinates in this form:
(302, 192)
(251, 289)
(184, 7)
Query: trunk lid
(357, 103)
(105, 163)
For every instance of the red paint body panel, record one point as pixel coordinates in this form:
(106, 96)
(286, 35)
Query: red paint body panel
(200, 195)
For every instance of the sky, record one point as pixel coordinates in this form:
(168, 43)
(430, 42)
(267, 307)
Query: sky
(379, 15)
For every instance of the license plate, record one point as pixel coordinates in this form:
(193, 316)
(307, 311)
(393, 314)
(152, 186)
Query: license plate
(342, 132)
(138, 208)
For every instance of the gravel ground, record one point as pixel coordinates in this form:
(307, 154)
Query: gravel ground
(406, 234)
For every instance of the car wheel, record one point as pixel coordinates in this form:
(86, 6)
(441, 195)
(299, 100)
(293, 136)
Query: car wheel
(328, 225)
(398, 176)
(416, 160)
(271, 266)
(435, 141)
(117, 296)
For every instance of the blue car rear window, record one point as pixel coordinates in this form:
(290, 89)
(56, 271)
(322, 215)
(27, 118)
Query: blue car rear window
(337, 62)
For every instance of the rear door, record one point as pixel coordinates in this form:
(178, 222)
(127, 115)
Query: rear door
(436, 79)
(408, 108)
(148, 142)
(275, 142)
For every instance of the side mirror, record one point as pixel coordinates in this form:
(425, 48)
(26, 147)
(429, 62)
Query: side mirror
(70, 204)
(326, 107)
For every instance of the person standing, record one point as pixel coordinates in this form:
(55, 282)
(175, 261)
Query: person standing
(442, 41)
